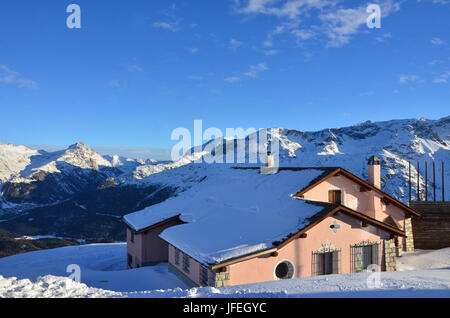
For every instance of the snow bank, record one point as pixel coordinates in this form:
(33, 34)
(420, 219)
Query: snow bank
(50, 287)
(100, 265)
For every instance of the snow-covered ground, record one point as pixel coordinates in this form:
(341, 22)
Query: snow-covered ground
(103, 274)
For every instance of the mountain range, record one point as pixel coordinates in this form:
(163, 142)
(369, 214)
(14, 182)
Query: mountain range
(78, 193)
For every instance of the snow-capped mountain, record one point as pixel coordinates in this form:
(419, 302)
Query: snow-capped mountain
(395, 142)
(77, 192)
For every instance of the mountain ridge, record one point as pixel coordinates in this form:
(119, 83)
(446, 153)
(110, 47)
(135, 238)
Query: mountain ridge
(77, 184)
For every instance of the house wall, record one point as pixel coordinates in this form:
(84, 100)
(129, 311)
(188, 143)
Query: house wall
(299, 252)
(368, 202)
(148, 247)
(194, 272)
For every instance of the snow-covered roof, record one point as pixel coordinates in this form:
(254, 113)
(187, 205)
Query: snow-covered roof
(234, 212)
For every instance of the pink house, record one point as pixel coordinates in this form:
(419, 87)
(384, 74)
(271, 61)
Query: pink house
(241, 226)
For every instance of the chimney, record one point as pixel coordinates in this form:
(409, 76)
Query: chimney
(269, 160)
(269, 167)
(374, 171)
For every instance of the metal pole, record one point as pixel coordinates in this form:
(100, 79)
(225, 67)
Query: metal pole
(409, 162)
(426, 181)
(418, 181)
(443, 192)
(434, 181)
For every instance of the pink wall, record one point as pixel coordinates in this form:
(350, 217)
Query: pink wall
(194, 271)
(148, 246)
(299, 252)
(368, 202)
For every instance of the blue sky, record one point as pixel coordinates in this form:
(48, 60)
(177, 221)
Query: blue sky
(136, 70)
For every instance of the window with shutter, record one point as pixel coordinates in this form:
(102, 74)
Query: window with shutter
(334, 196)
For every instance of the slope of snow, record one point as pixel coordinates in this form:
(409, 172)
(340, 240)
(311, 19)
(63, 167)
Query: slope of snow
(42, 274)
(102, 266)
(13, 159)
(424, 259)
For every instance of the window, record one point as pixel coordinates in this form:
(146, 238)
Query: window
(204, 275)
(284, 270)
(363, 255)
(186, 263)
(334, 196)
(326, 263)
(177, 256)
(130, 261)
(131, 236)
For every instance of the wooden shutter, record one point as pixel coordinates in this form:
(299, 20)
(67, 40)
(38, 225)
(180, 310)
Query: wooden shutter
(334, 196)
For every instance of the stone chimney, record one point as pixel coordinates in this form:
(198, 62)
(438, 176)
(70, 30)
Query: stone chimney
(269, 167)
(269, 160)
(374, 171)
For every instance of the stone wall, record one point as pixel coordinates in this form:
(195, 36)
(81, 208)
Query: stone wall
(219, 278)
(409, 241)
(390, 252)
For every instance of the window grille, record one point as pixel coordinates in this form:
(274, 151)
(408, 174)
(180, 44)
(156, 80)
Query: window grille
(362, 255)
(177, 256)
(325, 263)
(204, 275)
(186, 263)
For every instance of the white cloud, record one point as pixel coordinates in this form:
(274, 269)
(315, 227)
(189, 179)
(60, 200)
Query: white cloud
(195, 77)
(133, 68)
(193, 50)
(235, 44)
(383, 37)
(114, 83)
(10, 77)
(170, 26)
(214, 91)
(437, 41)
(256, 69)
(271, 52)
(443, 78)
(407, 79)
(368, 93)
(337, 21)
(443, 2)
(232, 79)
